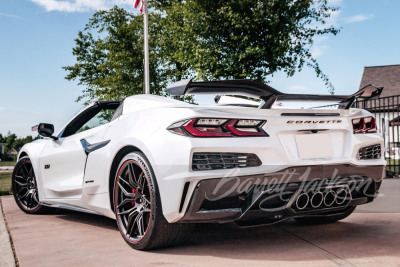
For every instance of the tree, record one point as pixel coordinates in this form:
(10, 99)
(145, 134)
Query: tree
(12, 141)
(109, 54)
(201, 39)
(239, 39)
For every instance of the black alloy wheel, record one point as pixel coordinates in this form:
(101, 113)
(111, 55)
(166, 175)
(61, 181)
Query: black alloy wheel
(24, 187)
(132, 200)
(138, 209)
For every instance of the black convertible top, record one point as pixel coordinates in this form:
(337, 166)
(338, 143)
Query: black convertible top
(265, 92)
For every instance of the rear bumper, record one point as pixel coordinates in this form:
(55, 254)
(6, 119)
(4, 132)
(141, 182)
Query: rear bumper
(267, 198)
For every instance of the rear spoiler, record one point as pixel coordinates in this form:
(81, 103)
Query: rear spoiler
(265, 92)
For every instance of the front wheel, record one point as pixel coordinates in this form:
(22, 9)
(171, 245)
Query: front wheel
(137, 206)
(24, 187)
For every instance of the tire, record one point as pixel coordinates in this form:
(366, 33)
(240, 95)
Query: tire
(24, 187)
(325, 219)
(138, 209)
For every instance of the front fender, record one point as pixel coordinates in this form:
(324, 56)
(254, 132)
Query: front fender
(33, 151)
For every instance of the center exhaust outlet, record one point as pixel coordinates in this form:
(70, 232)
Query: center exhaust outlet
(317, 199)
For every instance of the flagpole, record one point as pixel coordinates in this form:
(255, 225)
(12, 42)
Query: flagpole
(146, 50)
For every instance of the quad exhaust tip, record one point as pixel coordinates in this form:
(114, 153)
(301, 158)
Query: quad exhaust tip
(341, 196)
(319, 199)
(330, 198)
(302, 201)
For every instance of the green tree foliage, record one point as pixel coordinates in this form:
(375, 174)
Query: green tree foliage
(109, 54)
(239, 39)
(12, 141)
(201, 39)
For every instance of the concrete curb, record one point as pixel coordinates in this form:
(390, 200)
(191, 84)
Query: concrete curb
(7, 256)
(6, 169)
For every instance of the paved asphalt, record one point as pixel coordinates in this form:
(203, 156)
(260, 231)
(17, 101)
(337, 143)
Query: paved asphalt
(369, 237)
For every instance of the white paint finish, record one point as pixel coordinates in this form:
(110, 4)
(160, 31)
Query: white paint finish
(314, 146)
(67, 160)
(144, 123)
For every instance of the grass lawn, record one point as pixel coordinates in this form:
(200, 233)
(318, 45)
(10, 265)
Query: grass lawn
(395, 165)
(7, 163)
(5, 183)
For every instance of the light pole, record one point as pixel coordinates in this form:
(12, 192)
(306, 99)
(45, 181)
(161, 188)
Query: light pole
(146, 49)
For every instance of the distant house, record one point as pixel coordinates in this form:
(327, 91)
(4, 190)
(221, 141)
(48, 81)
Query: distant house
(14, 152)
(387, 108)
(386, 76)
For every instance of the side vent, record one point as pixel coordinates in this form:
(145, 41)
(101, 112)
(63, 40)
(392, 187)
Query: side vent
(185, 190)
(214, 161)
(370, 152)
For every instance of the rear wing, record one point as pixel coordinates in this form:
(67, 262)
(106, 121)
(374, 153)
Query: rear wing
(265, 92)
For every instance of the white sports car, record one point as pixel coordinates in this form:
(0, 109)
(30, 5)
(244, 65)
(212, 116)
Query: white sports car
(160, 165)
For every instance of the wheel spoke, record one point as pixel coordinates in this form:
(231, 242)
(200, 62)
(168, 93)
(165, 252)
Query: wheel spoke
(139, 225)
(19, 177)
(25, 194)
(131, 221)
(126, 193)
(29, 199)
(24, 172)
(127, 211)
(132, 177)
(146, 201)
(141, 181)
(125, 182)
(35, 197)
(124, 202)
(22, 184)
(30, 173)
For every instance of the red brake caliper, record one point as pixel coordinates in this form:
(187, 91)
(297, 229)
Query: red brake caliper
(133, 191)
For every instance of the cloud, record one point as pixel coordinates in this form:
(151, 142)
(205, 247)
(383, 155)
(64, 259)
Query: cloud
(78, 5)
(318, 48)
(298, 88)
(358, 18)
(9, 15)
(335, 2)
(2, 108)
(333, 19)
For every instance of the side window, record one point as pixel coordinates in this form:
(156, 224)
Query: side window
(118, 112)
(99, 119)
(98, 114)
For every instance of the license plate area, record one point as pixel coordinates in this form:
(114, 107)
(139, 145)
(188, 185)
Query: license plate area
(314, 146)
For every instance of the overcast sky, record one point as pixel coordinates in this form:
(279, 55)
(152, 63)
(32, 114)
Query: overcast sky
(37, 37)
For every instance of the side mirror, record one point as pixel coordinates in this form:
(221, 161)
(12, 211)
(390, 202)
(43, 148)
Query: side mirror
(46, 130)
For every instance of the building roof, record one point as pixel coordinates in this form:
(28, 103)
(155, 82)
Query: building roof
(387, 76)
(14, 151)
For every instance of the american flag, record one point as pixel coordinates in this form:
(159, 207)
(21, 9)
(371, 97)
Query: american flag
(35, 128)
(138, 4)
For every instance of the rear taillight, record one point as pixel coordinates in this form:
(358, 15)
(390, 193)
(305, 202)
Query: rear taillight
(208, 127)
(203, 129)
(364, 125)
